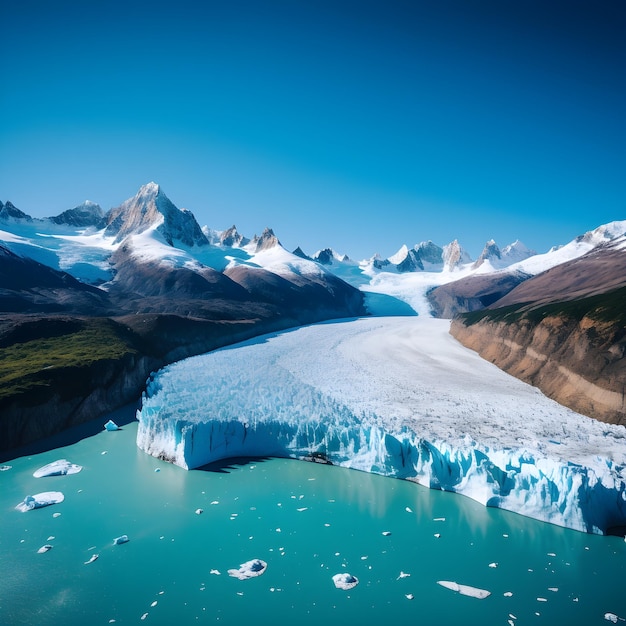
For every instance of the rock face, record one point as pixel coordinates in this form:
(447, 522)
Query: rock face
(574, 352)
(151, 207)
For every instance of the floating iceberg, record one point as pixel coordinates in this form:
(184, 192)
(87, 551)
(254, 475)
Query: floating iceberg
(45, 548)
(62, 467)
(39, 500)
(465, 590)
(393, 396)
(93, 558)
(121, 539)
(345, 581)
(249, 569)
(111, 425)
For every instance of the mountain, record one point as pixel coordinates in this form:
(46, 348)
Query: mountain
(266, 241)
(232, 238)
(454, 256)
(328, 256)
(150, 207)
(10, 213)
(564, 329)
(83, 216)
(27, 286)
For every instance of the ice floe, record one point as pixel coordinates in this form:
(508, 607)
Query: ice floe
(111, 426)
(62, 467)
(345, 581)
(93, 558)
(465, 590)
(46, 498)
(249, 569)
(44, 549)
(120, 540)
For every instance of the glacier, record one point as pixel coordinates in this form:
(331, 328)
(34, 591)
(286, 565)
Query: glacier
(398, 397)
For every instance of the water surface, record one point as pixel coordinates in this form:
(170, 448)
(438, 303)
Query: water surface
(307, 521)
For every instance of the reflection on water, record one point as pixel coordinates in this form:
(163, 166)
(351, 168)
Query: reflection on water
(307, 521)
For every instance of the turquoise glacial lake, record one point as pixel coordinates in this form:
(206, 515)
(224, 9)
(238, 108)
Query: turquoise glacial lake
(307, 521)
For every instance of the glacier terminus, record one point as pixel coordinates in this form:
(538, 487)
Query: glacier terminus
(396, 396)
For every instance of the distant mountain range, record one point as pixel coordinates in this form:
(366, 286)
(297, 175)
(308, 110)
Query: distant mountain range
(160, 287)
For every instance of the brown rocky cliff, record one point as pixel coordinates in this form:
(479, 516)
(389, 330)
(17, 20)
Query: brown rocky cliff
(577, 362)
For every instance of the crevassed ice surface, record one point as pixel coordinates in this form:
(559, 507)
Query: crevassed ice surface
(393, 396)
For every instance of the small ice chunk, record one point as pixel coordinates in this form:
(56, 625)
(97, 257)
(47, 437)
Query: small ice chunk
(93, 558)
(144, 616)
(249, 569)
(304, 508)
(555, 589)
(216, 572)
(402, 575)
(542, 599)
(409, 596)
(465, 590)
(39, 500)
(386, 533)
(345, 581)
(6, 468)
(44, 549)
(408, 509)
(110, 426)
(56, 515)
(154, 603)
(507, 594)
(493, 565)
(61, 467)
(439, 519)
(437, 535)
(199, 511)
(157, 469)
(215, 502)
(51, 538)
(611, 617)
(120, 540)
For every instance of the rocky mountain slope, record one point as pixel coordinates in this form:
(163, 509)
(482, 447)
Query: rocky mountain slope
(563, 331)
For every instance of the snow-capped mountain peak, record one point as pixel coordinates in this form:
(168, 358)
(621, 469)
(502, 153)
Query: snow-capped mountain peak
(10, 213)
(150, 207)
(491, 253)
(328, 256)
(454, 255)
(266, 241)
(83, 216)
(232, 238)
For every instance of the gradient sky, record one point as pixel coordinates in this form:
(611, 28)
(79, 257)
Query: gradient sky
(356, 125)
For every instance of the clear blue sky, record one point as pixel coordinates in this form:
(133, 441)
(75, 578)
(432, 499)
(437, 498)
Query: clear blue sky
(357, 125)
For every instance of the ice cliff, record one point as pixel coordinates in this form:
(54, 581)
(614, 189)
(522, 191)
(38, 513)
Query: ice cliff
(398, 397)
